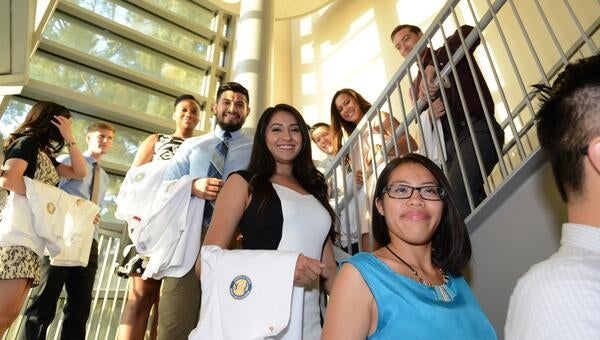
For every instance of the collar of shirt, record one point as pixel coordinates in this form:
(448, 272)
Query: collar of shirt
(581, 236)
(218, 132)
(88, 157)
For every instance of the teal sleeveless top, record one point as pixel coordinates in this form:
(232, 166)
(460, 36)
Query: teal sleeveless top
(408, 309)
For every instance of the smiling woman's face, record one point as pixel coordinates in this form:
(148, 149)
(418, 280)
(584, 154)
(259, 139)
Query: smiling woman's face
(348, 108)
(411, 220)
(283, 137)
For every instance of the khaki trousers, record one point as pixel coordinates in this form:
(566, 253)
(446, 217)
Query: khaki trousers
(179, 307)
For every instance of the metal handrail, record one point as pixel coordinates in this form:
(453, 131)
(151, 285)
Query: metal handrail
(370, 160)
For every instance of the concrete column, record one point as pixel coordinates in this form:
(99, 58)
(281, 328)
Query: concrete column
(252, 55)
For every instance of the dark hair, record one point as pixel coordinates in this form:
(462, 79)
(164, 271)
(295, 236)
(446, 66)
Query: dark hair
(185, 97)
(100, 125)
(412, 28)
(262, 164)
(566, 121)
(235, 87)
(337, 123)
(315, 126)
(38, 124)
(451, 243)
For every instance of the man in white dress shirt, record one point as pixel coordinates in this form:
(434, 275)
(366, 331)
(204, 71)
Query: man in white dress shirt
(560, 298)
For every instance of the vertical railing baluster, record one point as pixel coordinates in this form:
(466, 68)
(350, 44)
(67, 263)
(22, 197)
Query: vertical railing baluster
(101, 243)
(414, 99)
(503, 98)
(115, 293)
(459, 157)
(393, 129)
(536, 57)
(382, 131)
(107, 289)
(551, 31)
(587, 39)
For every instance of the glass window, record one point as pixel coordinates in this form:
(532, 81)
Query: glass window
(82, 37)
(147, 24)
(106, 88)
(221, 52)
(226, 26)
(13, 116)
(110, 199)
(125, 144)
(188, 10)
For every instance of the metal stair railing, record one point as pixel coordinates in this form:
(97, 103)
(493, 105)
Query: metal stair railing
(353, 201)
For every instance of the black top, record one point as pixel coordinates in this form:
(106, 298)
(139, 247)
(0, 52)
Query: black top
(27, 148)
(261, 230)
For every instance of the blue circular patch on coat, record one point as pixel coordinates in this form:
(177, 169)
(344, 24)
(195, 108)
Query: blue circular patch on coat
(240, 287)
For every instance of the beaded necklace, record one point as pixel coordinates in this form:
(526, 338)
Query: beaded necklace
(441, 290)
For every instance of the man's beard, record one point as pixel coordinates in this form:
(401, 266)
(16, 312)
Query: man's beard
(230, 127)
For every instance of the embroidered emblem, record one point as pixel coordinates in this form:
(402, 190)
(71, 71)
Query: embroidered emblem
(140, 176)
(79, 202)
(240, 287)
(50, 207)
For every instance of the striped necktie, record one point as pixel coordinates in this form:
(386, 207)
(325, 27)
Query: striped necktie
(215, 170)
(95, 183)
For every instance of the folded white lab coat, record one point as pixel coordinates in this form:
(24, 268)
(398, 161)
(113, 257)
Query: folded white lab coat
(163, 218)
(48, 217)
(73, 222)
(436, 150)
(247, 294)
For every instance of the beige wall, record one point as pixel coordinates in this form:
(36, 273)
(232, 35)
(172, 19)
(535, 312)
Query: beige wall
(347, 44)
(522, 231)
(281, 88)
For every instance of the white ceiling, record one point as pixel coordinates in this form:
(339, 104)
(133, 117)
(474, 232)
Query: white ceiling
(284, 9)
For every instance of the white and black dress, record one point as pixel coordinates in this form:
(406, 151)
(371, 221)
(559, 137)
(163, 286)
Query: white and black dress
(289, 221)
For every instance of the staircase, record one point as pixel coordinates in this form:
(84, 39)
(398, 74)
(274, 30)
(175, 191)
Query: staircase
(522, 43)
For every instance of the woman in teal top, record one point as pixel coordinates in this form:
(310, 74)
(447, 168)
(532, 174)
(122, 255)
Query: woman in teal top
(411, 287)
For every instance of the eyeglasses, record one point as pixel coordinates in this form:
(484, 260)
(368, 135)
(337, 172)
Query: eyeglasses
(403, 191)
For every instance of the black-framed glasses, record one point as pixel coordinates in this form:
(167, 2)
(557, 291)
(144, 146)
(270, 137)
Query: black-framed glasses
(403, 191)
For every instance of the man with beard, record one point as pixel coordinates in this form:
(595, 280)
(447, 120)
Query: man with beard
(210, 158)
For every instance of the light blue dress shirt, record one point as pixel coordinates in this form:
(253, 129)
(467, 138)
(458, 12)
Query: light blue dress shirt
(193, 156)
(83, 187)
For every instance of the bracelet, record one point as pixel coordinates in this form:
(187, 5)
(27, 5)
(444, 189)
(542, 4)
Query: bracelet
(68, 144)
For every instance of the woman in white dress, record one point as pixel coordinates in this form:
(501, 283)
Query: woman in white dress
(281, 203)
(348, 108)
